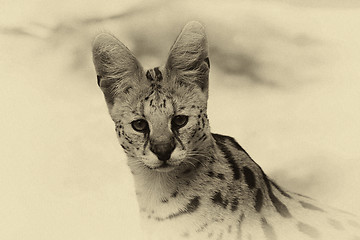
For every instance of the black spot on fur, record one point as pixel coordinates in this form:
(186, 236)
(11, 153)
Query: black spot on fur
(210, 174)
(123, 146)
(310, 206)
(194, 133)
(174, 194)
(164, 200)
(220, 176)
(187, 171)
(268, 230)
(203, 137)
(127, 90)
(127, 138)
(234, 166)
(203, 122)
(249, 177)
(234, 204)
(217, 199)
(279, 206)
(235, 144)
(259, 200)
(191, 207)
(308, 230)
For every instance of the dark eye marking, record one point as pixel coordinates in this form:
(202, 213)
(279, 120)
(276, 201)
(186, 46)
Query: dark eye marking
(140, 125)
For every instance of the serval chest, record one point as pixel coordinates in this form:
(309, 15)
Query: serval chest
(190, 183)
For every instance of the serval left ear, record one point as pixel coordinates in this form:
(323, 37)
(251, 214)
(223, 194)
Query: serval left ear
(188, 60)
(117, 69)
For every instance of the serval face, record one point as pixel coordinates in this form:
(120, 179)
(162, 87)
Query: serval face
(160, 114)
(163, 126)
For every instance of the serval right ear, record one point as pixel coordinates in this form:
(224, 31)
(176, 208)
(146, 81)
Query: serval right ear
(118, 71)
(188, 60)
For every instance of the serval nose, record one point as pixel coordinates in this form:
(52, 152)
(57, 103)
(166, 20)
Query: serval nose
(163, 150)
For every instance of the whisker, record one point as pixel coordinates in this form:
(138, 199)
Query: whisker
(197, 160)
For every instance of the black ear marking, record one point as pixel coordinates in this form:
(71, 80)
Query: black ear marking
(207, 61)
(98, 79)
(158, 74)
(148, 76)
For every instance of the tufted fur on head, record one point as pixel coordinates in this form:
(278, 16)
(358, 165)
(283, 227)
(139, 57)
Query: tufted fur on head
(117, 69)
(188, 61)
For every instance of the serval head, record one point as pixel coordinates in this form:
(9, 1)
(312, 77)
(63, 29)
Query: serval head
(160, 114)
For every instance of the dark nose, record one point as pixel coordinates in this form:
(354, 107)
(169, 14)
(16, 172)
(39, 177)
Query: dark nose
(163, 150)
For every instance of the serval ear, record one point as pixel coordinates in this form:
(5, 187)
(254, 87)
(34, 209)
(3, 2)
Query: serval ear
(188, 60)
(118, 71)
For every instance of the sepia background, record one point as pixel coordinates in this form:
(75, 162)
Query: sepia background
(285, 82)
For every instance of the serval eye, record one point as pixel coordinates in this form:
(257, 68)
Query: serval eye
(140, 125)
(179, 121)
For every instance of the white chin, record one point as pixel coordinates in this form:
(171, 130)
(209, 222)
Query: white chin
(165, 169)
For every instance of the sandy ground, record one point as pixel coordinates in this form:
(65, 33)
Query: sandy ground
(284, 82)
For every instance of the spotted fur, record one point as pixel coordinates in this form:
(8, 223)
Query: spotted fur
(190, 183)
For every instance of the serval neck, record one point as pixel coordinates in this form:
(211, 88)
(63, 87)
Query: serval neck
(156, 187)
(219, 167)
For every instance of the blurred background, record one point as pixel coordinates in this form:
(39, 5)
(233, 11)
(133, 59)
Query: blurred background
(284, 82)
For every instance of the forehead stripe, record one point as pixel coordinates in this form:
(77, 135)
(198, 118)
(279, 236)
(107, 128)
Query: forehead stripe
(158, 74)
(149, 75)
